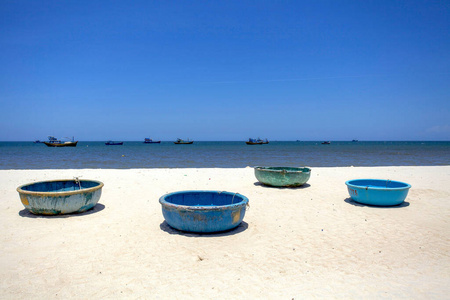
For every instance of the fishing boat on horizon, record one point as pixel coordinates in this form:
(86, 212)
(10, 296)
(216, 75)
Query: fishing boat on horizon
(183, 142)
(150, 141)
(326, 143)
(111, 143)
(257, 141)
(54, 142)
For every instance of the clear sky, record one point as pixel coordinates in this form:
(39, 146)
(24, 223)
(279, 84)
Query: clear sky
(225, 70)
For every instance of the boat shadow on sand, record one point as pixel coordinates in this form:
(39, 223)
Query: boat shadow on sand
(354, 203)
(166, 227)
(303, 186)
(25, 213)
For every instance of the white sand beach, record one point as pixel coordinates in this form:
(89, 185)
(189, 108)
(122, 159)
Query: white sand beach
(309, 242)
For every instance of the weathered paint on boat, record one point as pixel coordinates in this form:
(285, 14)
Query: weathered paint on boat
(378, 192)
(203, 211)
(60, 196)
(282, 176)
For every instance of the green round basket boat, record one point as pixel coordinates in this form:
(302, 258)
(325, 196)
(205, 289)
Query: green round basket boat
(282, 176)
(62, 196)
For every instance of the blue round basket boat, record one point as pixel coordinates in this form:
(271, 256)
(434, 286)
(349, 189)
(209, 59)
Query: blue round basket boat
(203, 211)
(60, 196)
(378, 192)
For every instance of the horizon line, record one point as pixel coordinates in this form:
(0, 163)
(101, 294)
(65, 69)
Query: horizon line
(140, 141)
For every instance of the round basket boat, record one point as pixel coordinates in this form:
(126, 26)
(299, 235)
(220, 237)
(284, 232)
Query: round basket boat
(60, 196)
(378, 192)
(203, 211)
(282, 176)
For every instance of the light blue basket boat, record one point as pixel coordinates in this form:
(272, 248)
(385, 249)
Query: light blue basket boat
(378, 192)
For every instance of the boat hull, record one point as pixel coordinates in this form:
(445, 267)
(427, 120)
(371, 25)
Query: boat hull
(378, 192)
(114, 144)
(203, 211)
(251, 143)
(282, 176)
(60, 196)
(66, 144)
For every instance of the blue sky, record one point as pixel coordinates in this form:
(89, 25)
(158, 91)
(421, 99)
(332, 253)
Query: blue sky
(225, 70)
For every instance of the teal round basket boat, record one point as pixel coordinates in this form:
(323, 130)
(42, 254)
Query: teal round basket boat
(60, 196)
(282, 176)
(203, 211)
(378, 192)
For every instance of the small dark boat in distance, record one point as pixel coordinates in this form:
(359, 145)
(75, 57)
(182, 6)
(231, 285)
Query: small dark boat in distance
(183, 142)
(150, 141)
(354, 141)
(253, 142)
(257, 141)
(326, 143)
(54, 142)
(111, 143)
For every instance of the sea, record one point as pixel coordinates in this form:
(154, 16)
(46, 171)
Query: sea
(131, 155)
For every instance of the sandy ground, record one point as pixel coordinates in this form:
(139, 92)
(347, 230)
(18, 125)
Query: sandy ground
(309, 242)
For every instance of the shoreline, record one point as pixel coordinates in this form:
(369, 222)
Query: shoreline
(306, 242)
(224, 168)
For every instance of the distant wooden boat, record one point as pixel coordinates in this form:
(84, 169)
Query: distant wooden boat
(111, 143)
(183, 142)
(54, 142)
(62, 144)
(150, 141)
(257, 141)
(253, 143)
(326, 143)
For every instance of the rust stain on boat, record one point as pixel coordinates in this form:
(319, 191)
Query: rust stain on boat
(236, 216)
(24, 200)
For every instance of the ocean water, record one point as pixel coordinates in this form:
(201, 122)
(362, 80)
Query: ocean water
(27, 155)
